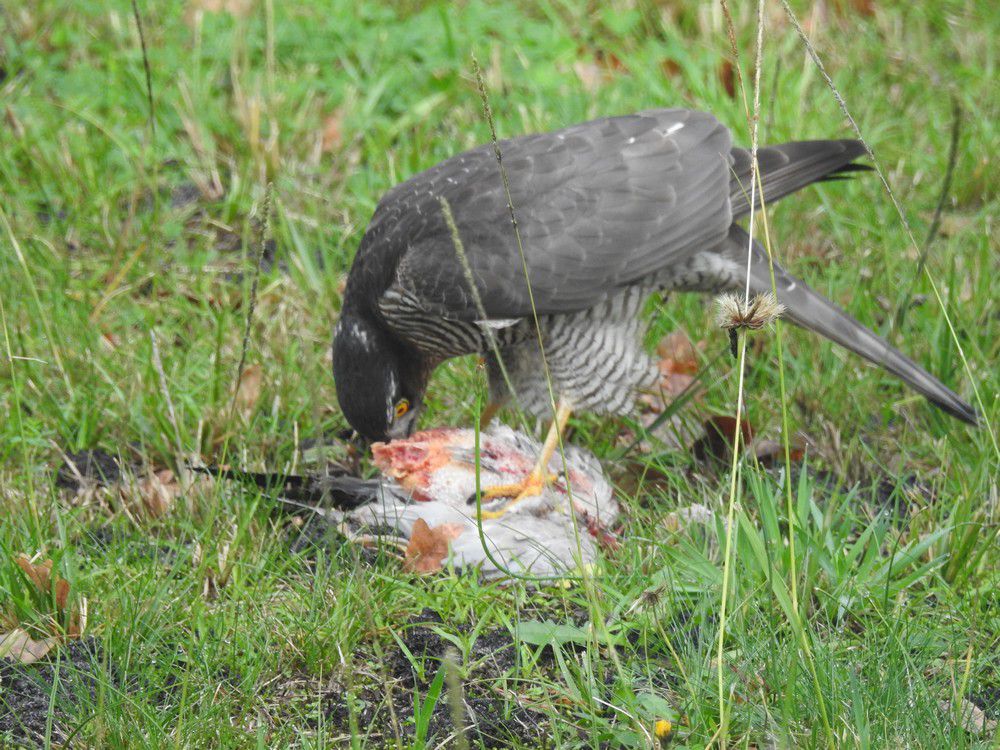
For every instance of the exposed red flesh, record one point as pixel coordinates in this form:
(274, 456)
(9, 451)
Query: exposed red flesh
(411, 462)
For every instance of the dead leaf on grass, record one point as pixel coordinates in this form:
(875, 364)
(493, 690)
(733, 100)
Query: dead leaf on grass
(969, 716)
(332, 137)
(719, 438)
(670, 68)
(157, 492)
(610, 61)
(110, 341)
(249, 388)
(39, 574)
(41, 577)
(428, 547)
(865, 8)
(678, 362)
(772, 452)
(22, 648)
(678, 354)
(727, 77)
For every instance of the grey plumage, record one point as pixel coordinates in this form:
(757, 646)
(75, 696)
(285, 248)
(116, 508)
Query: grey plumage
(600, 206)
(807, 308)
(609, 212)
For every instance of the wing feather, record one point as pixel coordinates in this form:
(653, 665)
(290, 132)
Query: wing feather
(599, 205)
(789, 167)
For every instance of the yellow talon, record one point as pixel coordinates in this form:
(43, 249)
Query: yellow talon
(534, 483)
(532, 486)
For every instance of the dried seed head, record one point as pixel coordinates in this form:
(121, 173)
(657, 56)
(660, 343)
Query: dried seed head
(648, 599)
(732, 312)
(728, 310)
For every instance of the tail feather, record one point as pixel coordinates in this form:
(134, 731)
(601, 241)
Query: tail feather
(807, 308)
(789, 167)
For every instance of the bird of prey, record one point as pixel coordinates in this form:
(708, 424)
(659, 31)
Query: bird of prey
(607, 213)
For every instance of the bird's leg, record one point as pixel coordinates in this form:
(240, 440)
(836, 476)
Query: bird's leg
(535, 482)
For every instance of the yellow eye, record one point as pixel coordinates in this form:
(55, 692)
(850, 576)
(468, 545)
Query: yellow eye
(402, 406)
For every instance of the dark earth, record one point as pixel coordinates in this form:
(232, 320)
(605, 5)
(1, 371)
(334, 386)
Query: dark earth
(26, 692)
(489, 718)
(93, 466)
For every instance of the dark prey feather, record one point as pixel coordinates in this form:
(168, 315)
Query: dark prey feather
(304, 491)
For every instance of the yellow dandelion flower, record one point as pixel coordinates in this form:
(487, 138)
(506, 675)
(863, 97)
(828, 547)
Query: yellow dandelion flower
(664, 730)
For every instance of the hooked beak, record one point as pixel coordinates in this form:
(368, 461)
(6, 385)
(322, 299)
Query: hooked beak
(403, 428)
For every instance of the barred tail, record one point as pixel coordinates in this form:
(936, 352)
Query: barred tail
(809, 309)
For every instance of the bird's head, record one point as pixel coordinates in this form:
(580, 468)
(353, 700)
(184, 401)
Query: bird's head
(380, 382)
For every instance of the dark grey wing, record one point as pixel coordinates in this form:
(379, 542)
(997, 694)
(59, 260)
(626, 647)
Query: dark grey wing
(599, 205)
(788, 167)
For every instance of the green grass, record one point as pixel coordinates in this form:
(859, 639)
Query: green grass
(217, 626)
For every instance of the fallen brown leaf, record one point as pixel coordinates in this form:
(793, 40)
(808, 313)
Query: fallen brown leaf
(21, 647)
(333, 132)
(670, 68)
(865, 8)
(249, 388)
(677, 353)
(720, 436)
(969, 716)
(157, 492)
(674, 384)
(110, 341)
(727, 77)
(678, 362)
(610, 61)
(62, 593)
(772, 452)
(428, 547)
(39, 574)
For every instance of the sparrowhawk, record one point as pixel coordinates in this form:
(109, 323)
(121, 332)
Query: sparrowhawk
(608, 212)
